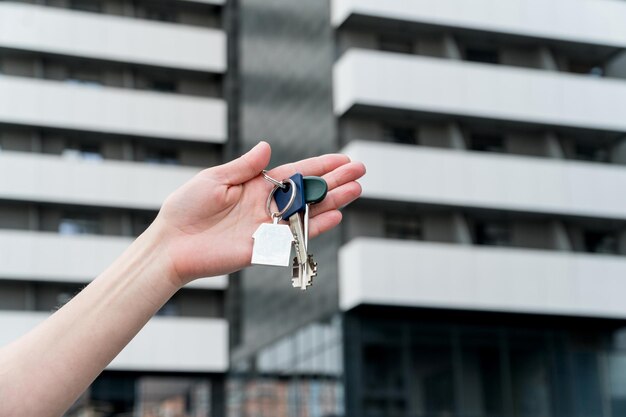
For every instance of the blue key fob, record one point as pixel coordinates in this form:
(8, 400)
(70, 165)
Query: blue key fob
(283, 195)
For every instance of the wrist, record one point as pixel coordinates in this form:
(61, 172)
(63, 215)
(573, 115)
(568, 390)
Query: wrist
(152, 245)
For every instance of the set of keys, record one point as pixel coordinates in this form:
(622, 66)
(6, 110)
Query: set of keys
(272, 242)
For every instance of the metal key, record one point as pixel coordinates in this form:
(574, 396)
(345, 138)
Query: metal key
(297, 228)
(309, 190)
(296, 279)
(301, 271)
(312, 269)
(296, 272)
(315, 189)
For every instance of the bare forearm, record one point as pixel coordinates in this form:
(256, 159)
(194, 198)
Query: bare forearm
(56, 361)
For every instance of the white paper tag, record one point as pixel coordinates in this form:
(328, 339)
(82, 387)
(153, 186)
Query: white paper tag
(272, 245)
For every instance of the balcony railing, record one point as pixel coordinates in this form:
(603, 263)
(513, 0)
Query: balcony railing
(492, 181)
(183, 344)
(56, 104)
(599, 22)
(56, 179)
(437, 275)
(111, 38)
(400, 82)
(45, 256)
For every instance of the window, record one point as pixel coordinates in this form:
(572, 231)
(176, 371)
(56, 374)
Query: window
(162, 156)
(396, 44)
(530, 375)
(86, 5)
(432, 372)
(87, 152)
(591, 152)
(400, 134)
(163, 15)
(141, 222)
(170, 308)
(35, 296)
(87, 76)
(402, 226)
(163, 86)
(593, 69)
(481, 366)
(481, 54)
(492, 233)
(487, 142)
(125, 393)
(600, 242)
(79, 223)
(51, 296)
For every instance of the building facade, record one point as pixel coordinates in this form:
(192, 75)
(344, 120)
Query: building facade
(480, 275)
(105, 108)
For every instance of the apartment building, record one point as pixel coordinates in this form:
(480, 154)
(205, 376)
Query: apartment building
(482, 272)
(105, 108)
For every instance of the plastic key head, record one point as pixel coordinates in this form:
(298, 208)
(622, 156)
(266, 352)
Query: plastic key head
(283, 195)
(315, 189)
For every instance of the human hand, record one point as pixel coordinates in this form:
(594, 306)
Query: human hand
(206, 225)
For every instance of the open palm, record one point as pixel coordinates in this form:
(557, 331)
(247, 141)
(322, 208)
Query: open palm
(207, 224)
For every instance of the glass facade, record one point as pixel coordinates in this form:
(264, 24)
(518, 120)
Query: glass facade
(121, 394)
(298, 375)
(402, 364)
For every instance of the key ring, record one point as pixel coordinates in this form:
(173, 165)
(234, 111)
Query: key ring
(276, 183)
(268, 204)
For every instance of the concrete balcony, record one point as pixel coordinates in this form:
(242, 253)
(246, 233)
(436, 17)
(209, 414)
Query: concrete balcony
(599, 22)
(436, 275)
(111, 38)
(164, 344)
(494, 181)
(111, 110)
(66, 180)
(44, 256)
(362, 79)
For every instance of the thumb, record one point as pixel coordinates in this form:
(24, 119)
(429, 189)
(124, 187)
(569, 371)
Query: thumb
(247, 166)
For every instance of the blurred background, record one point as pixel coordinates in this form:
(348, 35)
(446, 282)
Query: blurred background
(482, 273)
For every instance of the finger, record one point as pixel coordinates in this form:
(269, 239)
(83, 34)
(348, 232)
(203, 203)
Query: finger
(317, 166)
(344, 174)
(246, 167)
(324, 222)
(337, 198)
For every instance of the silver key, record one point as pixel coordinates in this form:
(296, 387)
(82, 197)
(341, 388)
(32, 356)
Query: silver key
(312, 264)
(297, 228)
(296, 279)
(306, 227)
(296, 272)
(312, 269)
